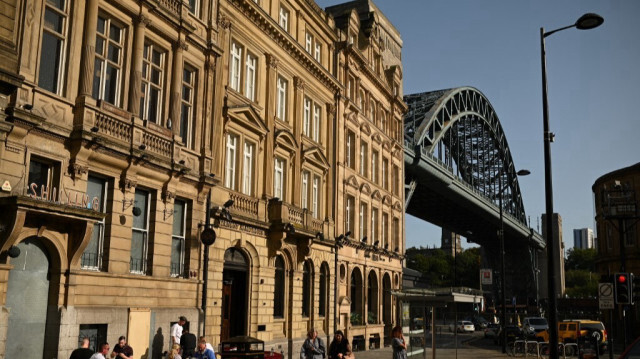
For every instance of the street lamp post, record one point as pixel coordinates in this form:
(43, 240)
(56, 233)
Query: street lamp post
(503, 286)
(585, 22)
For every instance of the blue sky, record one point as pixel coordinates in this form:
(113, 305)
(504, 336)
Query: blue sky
(494, 45)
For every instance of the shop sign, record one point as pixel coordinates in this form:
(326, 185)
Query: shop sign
(6, 186)
(64, 197)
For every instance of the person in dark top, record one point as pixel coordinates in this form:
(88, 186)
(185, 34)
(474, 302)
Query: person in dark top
(122, 350)
(83, 352)
(188, 343)
(339, 348)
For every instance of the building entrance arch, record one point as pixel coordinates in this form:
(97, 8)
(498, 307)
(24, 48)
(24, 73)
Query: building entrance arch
(28, 297)
(235, 294)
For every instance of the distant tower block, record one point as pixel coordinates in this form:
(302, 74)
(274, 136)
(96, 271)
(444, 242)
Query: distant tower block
(450, 242)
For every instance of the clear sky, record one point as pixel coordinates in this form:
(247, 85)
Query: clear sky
(494, 45)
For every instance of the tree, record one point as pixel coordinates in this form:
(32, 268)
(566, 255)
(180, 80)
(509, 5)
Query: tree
(581, 259)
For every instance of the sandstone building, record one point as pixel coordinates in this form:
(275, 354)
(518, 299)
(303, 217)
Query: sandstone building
(120, 118)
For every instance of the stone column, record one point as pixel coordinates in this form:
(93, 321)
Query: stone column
(270, 113)
(88, 48)
(176, 86)
(298, 114)
(135, 87)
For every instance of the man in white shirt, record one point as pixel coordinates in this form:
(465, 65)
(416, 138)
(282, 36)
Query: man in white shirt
(176, 330)
(102, 354)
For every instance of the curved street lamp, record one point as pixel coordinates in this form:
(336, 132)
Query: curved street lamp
(585, 22)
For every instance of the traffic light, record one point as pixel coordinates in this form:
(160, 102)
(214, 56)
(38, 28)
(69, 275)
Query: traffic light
(623, 288)
(635, 289)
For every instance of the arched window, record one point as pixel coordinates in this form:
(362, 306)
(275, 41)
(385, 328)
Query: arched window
(324, 284)
(307, 283)
(278, 290)
(372, 298)
(356, 297)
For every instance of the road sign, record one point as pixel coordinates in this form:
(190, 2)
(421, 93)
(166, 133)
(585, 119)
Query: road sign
(486, 276)
(605, 295)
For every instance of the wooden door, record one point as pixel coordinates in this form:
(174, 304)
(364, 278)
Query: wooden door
(226, 311)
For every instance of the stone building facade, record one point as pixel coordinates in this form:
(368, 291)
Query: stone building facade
(120, 118)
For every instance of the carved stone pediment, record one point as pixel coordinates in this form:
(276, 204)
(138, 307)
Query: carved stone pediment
(352, 181)
(248, 117)
(315, 155)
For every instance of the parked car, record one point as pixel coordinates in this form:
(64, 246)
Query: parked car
(480, 323)
(491, 330)
(462, 326)
(534, 325)
(512, 333)
(632, 351)
(570, 330)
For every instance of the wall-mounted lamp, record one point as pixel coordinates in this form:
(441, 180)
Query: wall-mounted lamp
(13, 252)
(27, 106)
(168, 213)
(181, 162)
(320, 236)
(376, 243)
(136, 211)
(289, 228)
(397, 249)
(364, 239)
(95, 129)
(142, 146)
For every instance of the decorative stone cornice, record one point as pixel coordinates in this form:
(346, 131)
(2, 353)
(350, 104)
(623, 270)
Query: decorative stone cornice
(143, 20)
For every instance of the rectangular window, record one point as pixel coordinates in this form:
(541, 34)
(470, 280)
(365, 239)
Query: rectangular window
(247, 169)
(318, 53)
(306, 117)
(140, 234)
(351, 150)
(609, 236)
(385, 173)
(364, 150)
(187, 111)
(372, 112)
(396, 180)
(308, 42)
(284, 19)
(305, 189)
(178, 238)
(282, 98)
(52, 52)
(230, 172)
(234, 72)
(316, 123)
(629, 232)
(152, 83)
(250, 74)
(374, 166)
(92, 256)
(374, 225)
(194, 7)
(385, 228)
(350, 213)
(44, 174)
(108, 61)
(315, 190)
(396, 235)
(362, 224)
(278, 176)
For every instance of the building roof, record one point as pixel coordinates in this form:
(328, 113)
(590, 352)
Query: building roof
(619, 172)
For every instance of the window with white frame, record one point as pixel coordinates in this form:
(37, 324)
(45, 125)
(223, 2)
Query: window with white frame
(350, 210)
(306, 117)
(178, 238)
(351, 150)
(305, 189)
(318, 53)
(230, 164)
(316, 123)
(108, 62)
(374, 166)
(361, 100)
(250, 74)
(247, 168)
(396, 180)
(187, 111)
(282, 98)
(97, 191)
(385, 173)
(364, 151)
(383, 121)
(284, 18)
(53, 48)
(372, 112)
(236, 67)
(308, 42)
(152, 83)
(385, 228)
(140, 233)
(278, 178)
(362, 222)
(194, 7)
(315, 193)
(351, 87)
(374, 225)
(45, 175)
